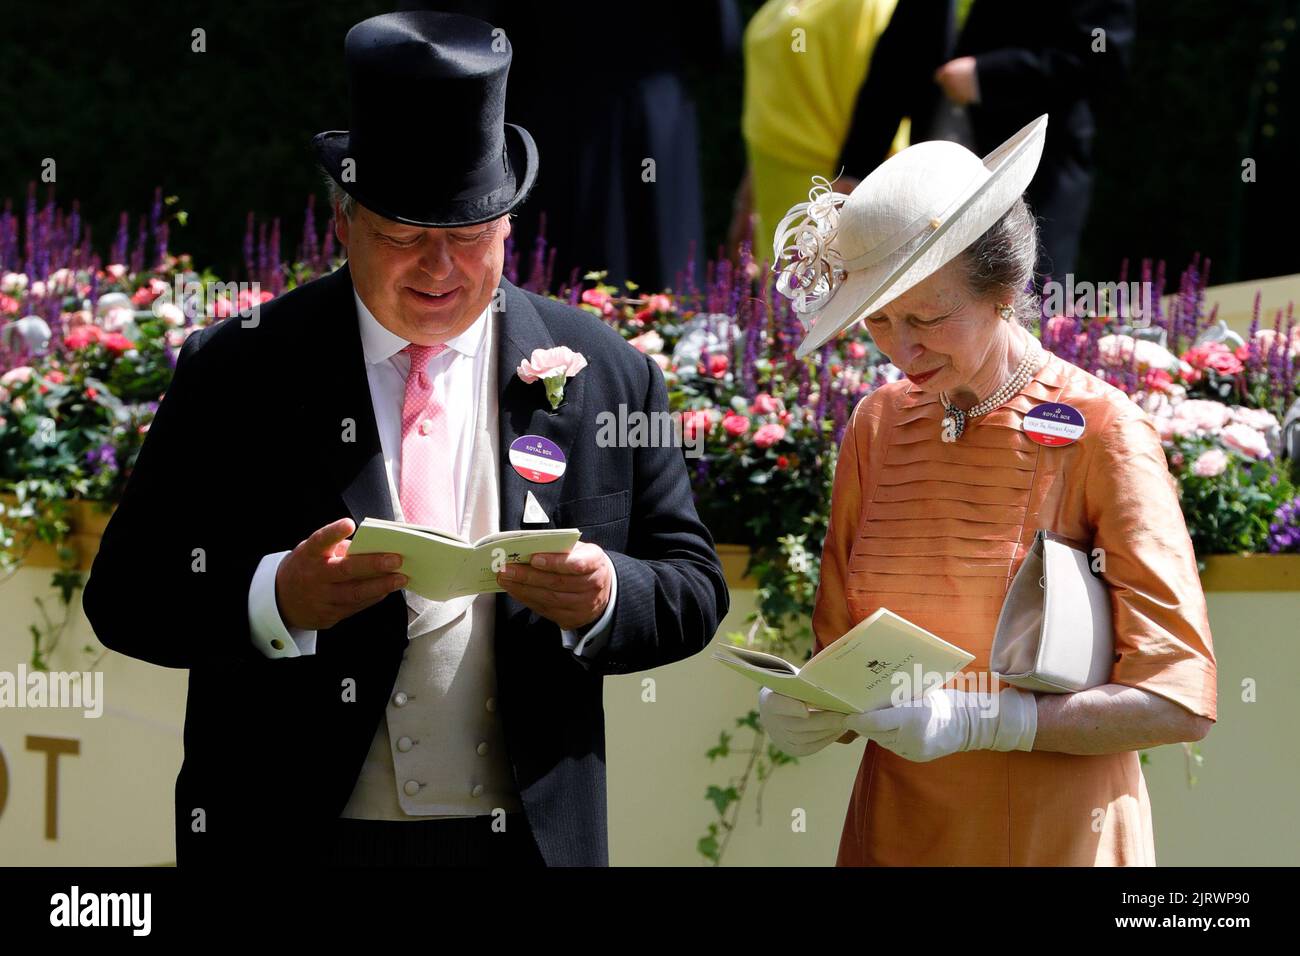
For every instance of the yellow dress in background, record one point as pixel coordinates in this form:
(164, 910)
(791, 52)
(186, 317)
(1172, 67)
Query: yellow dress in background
(800, 92)
(935, 532)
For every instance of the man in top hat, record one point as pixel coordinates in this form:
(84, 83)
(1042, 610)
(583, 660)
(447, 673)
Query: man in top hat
(333, 715)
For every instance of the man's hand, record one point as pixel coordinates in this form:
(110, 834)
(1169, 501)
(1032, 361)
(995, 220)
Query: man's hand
(959, 81)
(570, 588)
(318, 584)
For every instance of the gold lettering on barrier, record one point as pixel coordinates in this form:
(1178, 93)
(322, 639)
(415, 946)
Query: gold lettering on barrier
(53, 748)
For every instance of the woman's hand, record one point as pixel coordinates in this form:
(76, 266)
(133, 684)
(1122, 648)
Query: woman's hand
(943, 722)
(793, 727)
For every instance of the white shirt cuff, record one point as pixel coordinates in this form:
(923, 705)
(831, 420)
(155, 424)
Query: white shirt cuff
(591, 643)
(268, 631)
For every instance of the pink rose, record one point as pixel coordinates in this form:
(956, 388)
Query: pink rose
(247, 299)
(857, 350)
(117, 318)
(14, 282)
(1211, 463)
(735, 425)
(1212, 355)
(81, 336)
(1165, 426)
(548, 363)
(1158, 379)
(1245, 440)
(8, 304)
(696, 423)
(764, 404)
(659, 303)
(648, 342)
(1201, 415)
(171, 314)
(1260, 419)
(116, 270)
(768, 435)
(176, 337)
(148, 292)
(718, 365)
(117, 343)
(1057, 327)
(23, 373)
(600, 299)
(62, 280)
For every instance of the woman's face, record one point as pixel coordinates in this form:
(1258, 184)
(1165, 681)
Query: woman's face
(940, 338)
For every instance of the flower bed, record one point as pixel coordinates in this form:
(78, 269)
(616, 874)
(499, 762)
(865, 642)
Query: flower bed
(88, 348)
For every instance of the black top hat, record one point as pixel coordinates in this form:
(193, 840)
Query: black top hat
(428, 144)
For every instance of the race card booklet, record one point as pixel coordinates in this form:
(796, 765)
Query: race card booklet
(441, 565)
(856, 673)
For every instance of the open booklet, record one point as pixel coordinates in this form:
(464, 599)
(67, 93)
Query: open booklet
(441, 565)
(856, 673)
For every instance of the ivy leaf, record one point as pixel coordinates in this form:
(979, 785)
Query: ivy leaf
(723, 749)
(721, 798)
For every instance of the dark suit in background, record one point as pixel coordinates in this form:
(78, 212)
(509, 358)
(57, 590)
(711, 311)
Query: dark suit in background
(1031, 58)
(600, 95)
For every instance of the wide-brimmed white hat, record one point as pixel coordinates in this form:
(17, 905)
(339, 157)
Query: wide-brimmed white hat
(841, 258)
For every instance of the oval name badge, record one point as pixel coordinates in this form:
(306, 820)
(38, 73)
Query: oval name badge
(1053, 423)
(536, 458)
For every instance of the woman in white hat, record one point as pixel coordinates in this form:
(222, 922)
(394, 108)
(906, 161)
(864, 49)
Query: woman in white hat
(943, 480)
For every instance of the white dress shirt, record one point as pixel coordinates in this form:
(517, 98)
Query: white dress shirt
(458, 371)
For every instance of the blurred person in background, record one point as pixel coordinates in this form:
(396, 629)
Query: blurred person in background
(803, 114)
(1009, 61)
(600, 103)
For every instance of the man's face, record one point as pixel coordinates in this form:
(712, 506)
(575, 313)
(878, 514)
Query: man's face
(394, 266)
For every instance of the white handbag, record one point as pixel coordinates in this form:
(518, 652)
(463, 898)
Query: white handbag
(1054, 632)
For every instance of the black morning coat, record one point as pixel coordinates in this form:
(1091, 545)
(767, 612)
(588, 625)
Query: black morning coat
(246, 457)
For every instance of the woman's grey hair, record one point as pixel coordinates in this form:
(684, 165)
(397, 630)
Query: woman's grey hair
(346, 203)
(999, 265)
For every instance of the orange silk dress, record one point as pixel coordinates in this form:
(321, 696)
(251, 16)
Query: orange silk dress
(935, 531)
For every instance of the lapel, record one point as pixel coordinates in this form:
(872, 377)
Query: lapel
(523, 409)
(344, 431)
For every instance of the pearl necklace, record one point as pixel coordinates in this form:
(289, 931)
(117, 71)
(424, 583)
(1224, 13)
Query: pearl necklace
(954, 419)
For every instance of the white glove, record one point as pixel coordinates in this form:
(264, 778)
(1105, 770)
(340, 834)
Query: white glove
(943, 722)
(794, 728)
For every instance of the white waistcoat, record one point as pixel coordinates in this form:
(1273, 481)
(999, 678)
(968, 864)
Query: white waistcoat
(440, 748)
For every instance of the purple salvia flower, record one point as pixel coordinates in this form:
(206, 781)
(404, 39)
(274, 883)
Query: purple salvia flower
(1252, 346)
(118, 253)
(327, 249)
(250, 264)
(277, 273)
(155, 220)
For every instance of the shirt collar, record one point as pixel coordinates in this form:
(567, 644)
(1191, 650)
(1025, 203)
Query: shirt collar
(381, 343)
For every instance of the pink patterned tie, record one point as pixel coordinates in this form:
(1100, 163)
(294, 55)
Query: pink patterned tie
(427, 490)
